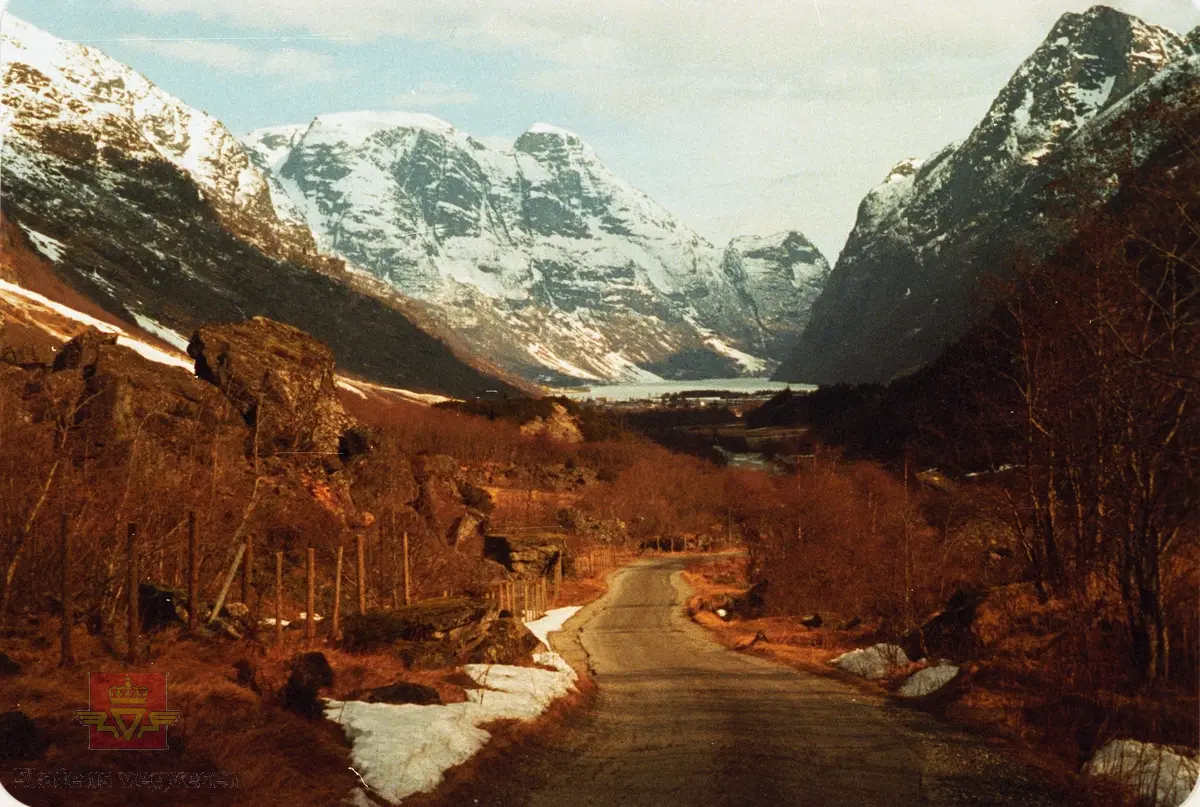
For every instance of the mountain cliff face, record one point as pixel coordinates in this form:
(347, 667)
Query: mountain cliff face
(783, 274)
(155, 211)
(1078, 117)
(535, 253)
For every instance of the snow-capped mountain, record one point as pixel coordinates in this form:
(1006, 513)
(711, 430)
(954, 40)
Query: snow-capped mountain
(1078, 117)
(535, 253)
(783, 274)
(155, 211)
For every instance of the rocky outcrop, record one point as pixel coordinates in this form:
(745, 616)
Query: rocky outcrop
(530, 557)
(112, 395)
(441, 633)
(279, 378)
(1104, 94)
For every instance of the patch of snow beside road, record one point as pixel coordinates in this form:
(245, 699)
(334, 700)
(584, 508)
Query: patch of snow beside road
(399, 750)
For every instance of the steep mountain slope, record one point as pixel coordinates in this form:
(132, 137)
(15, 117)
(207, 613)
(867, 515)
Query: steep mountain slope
(1073, 121)
(783, 274)
(537, 254)
(154, 211)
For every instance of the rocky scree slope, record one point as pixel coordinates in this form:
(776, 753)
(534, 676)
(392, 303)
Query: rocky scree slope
(154, 210)
(538, 255)
(1103, 94)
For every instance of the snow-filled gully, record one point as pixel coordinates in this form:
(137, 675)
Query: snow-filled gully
(399, 750)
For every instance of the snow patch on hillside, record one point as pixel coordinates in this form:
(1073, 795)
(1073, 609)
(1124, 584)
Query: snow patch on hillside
(19, 297)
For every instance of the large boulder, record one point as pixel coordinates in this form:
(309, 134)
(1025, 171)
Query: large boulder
(279, 378)
(309, 674)
(115, 395)
(83, 350)
(507, 641)
(533, 556)
(454, 620)
(443, 633)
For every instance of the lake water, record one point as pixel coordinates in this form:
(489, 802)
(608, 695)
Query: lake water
(643, 391)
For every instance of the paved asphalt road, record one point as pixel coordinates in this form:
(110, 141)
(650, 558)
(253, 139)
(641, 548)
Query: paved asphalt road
(682, 721)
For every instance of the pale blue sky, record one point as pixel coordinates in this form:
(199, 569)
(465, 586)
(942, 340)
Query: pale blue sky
(741, 116)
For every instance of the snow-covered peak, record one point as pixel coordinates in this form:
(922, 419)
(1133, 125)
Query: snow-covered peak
(270, 146)
(354, 128)
(53, 87)
(551, 129)
(1088, 62)
(904, 170)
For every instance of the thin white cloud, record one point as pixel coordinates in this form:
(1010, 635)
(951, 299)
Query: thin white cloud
(283, 63)
(433, 94)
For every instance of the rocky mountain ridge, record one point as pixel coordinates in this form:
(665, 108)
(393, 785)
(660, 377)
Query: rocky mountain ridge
(538, 255)
(1092, 103)
(154, 211)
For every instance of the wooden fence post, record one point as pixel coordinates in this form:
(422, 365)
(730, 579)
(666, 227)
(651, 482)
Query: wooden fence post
(558, 578)
(407, 577)
(278, 597)
(131, 566)
(337, 595)
(310, 625)
(193, 575)
(68, 595)
(381, 575)
(360, 545)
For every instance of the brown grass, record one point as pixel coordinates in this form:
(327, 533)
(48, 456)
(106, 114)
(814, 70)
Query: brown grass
(277, 757)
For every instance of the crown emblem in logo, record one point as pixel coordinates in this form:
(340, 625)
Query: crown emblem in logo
(128, 695)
